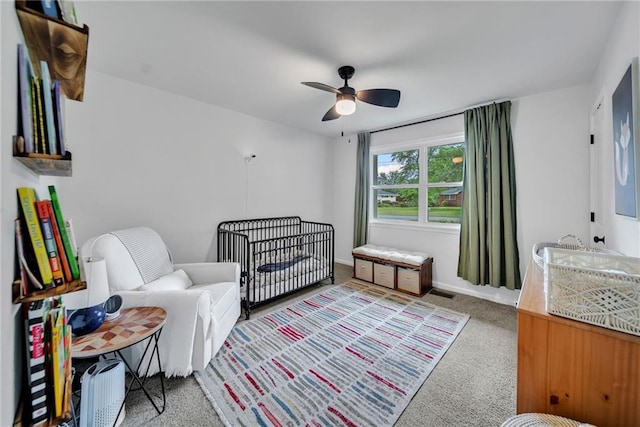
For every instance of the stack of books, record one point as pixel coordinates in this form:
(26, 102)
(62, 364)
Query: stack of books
(45, 245)
(48, 357)
(41, 115)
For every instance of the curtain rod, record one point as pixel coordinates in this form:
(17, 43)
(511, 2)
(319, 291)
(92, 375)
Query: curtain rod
(459, 112)
(417, 123)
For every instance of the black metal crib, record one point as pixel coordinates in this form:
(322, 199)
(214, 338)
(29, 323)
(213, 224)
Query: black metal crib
(277, 256)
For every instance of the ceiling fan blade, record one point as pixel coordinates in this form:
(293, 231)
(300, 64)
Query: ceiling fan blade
(332, 114)
(381, 97)
(321, 86)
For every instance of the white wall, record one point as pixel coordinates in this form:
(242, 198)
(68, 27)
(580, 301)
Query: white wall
(550, 134)
(551, 144)
(344, 162)
(147, 157)
(622, 233)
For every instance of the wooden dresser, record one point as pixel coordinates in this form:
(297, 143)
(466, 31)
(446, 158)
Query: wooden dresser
(574, 369)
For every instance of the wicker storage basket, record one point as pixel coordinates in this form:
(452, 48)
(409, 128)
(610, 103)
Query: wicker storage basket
(566, 242)
(596, 288)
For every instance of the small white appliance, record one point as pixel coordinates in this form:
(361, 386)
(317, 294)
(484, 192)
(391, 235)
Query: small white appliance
(102, 393)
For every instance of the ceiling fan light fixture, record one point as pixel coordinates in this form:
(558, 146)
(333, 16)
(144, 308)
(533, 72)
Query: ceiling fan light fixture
(346, 104)
(347, 96)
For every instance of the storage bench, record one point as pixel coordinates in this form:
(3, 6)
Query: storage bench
(393, 268)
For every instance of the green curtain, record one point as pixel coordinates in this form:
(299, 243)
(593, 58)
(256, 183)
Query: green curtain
(361, 207)
(488, 246)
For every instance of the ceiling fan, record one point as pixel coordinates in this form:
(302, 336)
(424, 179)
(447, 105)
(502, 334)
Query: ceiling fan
(346, 96)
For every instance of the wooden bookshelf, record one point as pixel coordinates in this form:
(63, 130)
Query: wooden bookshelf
(45, 164)
(76, 285)
(41, 33)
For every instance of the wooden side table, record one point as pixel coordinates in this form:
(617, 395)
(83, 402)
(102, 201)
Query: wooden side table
(133, 326)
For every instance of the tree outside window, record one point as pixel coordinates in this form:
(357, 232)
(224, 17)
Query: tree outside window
(403, 190)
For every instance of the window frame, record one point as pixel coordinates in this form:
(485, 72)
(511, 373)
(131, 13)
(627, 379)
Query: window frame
(422, 145)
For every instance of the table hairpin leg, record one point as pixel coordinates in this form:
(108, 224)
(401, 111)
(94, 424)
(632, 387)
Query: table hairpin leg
(133, 326)
(135, 378)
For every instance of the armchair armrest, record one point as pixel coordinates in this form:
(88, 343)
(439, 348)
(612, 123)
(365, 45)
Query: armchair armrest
(211, 272)
(188, 326)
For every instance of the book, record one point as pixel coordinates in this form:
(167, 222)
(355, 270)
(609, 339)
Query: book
(50, 8)
(68, 11)
(58, 328)
(24, 83)
(66, 400)
(72, 236)
(27, 277)
(64, 262)
(34, 115)
(47, 307)
(40, 118)
(49, 242)
(35, 5)
(59, 118)
(24, 280)
(48, 109)
(27, 200)
(36, 368)
(69, 246)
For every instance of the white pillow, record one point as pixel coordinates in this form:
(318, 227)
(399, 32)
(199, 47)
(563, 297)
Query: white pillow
(176, 281)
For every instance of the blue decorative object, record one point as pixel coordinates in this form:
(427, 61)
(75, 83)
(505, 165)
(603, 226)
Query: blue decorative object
(86, 320)
(276, 266)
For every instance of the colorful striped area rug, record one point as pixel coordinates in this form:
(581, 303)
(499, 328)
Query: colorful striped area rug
(350, 355)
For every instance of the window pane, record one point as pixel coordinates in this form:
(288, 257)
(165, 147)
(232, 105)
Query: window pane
(396, 203)
(445, 162)
(400, 167)
(445, 204)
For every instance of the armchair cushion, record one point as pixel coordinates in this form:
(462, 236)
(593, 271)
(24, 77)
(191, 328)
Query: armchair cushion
(176, 281)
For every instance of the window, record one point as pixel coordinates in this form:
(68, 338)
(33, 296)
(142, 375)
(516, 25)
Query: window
(420, 184)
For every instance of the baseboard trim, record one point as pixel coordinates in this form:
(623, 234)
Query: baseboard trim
(493, 296)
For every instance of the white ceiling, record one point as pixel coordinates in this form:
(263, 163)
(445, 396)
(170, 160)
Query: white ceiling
(442, 55)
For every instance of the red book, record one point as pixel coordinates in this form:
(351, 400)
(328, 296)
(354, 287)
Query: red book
(64, 262)
(49, 242)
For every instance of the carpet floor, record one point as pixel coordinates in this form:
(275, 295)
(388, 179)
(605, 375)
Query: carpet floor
(473, 385)
(353, 354)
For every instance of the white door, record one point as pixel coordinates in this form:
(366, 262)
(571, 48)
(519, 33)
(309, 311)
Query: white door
(597, 228)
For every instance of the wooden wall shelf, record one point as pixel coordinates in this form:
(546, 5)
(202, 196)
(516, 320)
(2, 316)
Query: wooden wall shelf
(76, 285)
(45, 164)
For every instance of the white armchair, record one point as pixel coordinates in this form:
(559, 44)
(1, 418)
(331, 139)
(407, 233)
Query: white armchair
(202, 300)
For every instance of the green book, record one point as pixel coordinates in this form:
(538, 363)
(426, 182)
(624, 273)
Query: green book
(66, 241)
